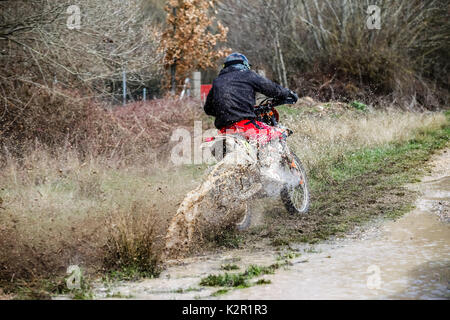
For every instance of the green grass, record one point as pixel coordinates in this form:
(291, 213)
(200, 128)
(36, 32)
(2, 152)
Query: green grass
(263, 281)
(119, 295)
(229, 267)
(220, 292)
(256, 271)
(229, 238)
(129, 273)
(45, 288)
(190, 289)
(358, 105)
(239, 280)
(397, 156)
(225, 280)
(287, 110)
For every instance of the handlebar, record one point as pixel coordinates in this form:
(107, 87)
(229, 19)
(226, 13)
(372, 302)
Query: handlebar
(269, 103)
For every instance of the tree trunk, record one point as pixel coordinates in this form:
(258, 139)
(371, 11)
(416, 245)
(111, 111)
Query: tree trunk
(277, 65)
(308, 15)
(173, 67)
(323, 33)
(283, 66)
(173, 81)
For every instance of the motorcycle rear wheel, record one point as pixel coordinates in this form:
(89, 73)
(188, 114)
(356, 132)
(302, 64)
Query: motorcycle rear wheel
(244, 224)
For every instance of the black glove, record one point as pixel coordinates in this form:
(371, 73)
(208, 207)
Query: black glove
(293, 96)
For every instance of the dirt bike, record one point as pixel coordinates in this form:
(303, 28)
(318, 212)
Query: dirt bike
(294, 195)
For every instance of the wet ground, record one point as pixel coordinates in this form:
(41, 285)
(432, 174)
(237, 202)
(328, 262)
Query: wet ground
(404, 259)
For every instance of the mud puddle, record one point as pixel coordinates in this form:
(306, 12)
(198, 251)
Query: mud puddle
(404, 259)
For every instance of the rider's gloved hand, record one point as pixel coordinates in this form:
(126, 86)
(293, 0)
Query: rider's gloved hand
(293, 96)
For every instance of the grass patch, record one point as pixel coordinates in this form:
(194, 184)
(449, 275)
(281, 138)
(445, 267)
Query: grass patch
(190, 289)
(228, 238)
(256, 271)
(118, 295)
(129, 273)
(288, 255)
(130, 252)
(287, 110)
(46, 288)
(225, 280)
(220, 292)
(239, 280)
(358, 105)
(42, 289)
(229, 267)
(280, 241)
(263, 281)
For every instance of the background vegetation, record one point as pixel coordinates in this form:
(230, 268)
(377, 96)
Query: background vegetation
(324, 49)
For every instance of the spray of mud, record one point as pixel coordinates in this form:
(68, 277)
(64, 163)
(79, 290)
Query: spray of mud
(225, 195)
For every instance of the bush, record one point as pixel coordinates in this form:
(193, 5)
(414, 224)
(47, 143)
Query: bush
(130, 252)
(61, 118)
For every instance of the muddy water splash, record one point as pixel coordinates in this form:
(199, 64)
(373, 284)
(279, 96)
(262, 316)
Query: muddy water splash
(224, 197)
(217, 202)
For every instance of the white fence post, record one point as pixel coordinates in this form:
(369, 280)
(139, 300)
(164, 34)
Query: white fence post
(124, 86)
(196, 83)
(186, 89)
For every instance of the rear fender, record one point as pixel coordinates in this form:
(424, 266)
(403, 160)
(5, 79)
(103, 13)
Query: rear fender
(221, 145)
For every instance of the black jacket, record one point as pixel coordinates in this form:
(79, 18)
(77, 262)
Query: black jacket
(232, 97)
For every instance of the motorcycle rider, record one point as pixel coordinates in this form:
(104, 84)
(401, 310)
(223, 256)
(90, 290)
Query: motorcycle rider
(232, 98)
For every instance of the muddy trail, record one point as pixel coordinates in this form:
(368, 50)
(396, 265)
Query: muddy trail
(408, 258)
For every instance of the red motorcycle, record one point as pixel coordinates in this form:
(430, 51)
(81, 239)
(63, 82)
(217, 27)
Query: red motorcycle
(294, 193)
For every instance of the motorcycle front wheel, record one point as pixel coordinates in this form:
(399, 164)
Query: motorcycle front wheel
(296, 198)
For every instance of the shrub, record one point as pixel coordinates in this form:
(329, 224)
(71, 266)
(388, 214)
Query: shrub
(130, 252)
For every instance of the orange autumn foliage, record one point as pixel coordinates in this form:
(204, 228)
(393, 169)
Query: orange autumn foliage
(188, 42)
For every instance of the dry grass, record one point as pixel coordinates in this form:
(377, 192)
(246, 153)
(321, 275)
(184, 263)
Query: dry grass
(60, 210)
(64, 119)
(4, 296)
(322, 140)
(131, 245)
